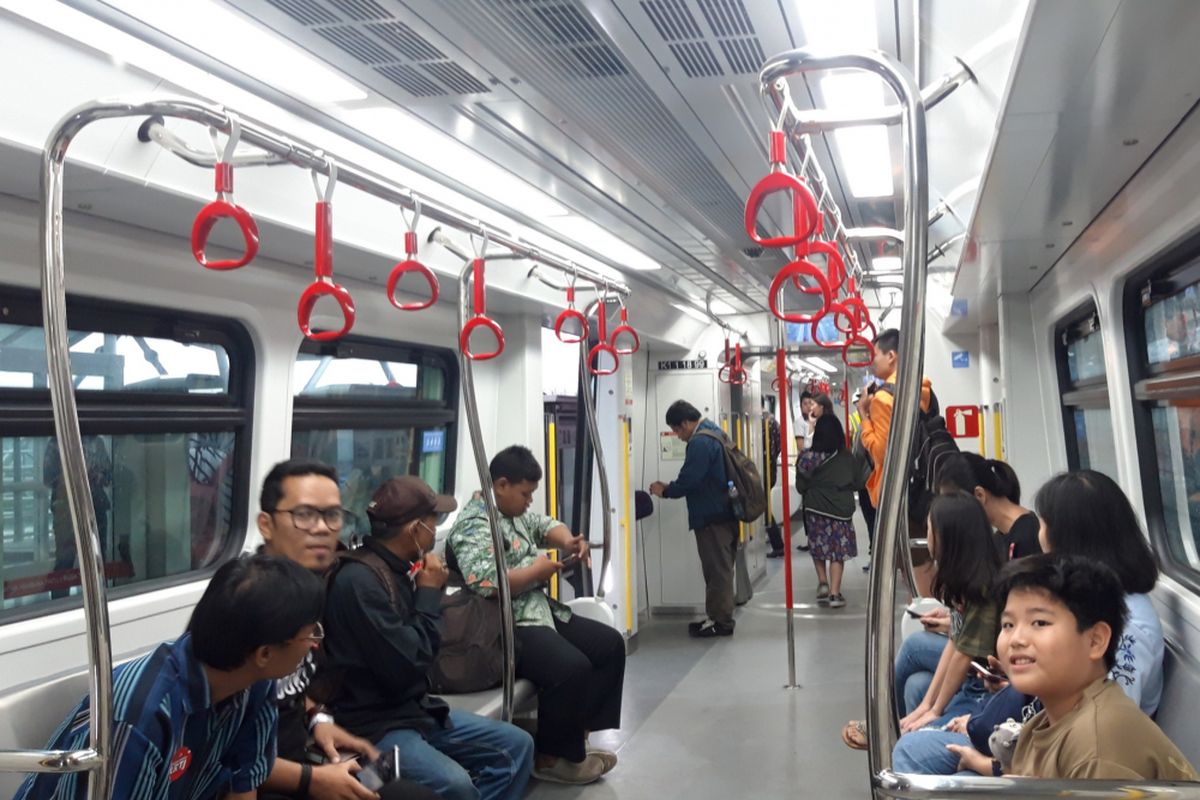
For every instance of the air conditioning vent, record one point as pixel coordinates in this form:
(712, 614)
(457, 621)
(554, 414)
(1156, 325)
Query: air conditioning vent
(351, 40)
(672, 19)
(452, 75)
(306, 12)
(597, 61)
(410, 80)
(745, 56)
(406, 40)
(361, 10)
(697, 59)
(565, 25)
(726, 17)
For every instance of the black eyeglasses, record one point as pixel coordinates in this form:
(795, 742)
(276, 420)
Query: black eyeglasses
(305, 517)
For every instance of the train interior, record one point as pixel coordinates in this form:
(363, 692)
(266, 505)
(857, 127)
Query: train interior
(617, 142)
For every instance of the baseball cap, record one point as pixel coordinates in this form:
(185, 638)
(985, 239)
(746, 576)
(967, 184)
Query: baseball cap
(401, 500)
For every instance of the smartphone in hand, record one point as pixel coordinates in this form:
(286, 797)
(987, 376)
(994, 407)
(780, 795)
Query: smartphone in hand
(986, 673)
(374, 775)
(570, 560)
(913, 613)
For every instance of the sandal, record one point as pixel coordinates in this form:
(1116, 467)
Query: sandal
(855, 734)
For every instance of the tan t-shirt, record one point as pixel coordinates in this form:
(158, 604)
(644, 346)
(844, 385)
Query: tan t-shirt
(1105, 737)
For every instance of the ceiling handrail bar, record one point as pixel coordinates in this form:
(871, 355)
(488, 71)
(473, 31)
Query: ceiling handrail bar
(880, 618)
(287, 149)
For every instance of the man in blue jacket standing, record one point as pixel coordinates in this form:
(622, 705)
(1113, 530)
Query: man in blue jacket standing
(702, 482)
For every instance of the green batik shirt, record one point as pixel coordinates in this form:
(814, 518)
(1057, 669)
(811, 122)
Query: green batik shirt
(471, 541)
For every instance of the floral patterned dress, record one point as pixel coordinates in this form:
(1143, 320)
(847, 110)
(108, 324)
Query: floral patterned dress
(829, 538)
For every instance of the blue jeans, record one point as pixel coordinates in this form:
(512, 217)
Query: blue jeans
(924, 752)
(476, 759)
(915, 664)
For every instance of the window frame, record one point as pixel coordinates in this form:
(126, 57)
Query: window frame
(328, 413)
(1159, 385)
(27, 412)
(1091, 393)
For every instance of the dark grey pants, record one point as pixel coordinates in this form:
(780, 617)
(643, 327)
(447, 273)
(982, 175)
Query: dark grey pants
(717, 546)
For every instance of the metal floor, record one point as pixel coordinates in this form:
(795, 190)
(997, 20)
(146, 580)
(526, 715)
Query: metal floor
(711, 719)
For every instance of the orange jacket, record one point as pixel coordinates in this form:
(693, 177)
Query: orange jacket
(876, 428)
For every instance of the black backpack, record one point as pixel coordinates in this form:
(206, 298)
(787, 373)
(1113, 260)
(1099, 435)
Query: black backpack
(752, 496)
(470, 657)
(932, 444)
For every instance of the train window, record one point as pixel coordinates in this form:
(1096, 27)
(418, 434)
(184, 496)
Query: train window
(375, 410)
(166, 462)
(1087, 420)
(1165, 360)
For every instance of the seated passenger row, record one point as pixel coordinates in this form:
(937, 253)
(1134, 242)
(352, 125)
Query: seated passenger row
(244, 704)
(1045, 707)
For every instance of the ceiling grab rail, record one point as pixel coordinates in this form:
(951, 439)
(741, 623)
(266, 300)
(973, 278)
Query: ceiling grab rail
(323, 284)
(589, 405)
(224, 207)
(571, 314)
(880, 628)
(466, 365)
(479, 318)
(411, 264)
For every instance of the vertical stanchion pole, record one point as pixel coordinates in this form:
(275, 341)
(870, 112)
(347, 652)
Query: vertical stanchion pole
(552, 468)
(785, 403)
(628, 520)
(983, 423)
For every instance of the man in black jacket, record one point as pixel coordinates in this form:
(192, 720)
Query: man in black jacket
(382, 639)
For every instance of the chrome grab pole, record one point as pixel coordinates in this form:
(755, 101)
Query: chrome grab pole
(503, 591)
(589, 406)
(880, 617)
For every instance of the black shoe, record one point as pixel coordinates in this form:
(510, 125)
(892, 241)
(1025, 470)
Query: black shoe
(775, 553)
(803, 548)
(708, 629)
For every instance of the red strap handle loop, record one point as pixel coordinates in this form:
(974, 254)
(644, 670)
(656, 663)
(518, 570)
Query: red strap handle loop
(324, 285)
(779, 180)
(481, 319)
(602, 346)
(568, 314)
(857, 340)
(733, 373)
(835, 266)
(794, 272)
(224, 208)
(838, 310)
(625, 329)
(411, 264)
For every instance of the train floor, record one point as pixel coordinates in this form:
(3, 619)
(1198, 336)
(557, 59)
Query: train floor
(711, 718)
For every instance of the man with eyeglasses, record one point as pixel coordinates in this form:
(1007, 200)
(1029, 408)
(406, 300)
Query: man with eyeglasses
(383, 635)
(300, 519)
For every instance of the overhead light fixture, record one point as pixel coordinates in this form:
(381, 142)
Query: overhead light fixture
(866, 160)
(852, 91)
(886, 264)
(720, 307)
(247, 47)
(844, 25)
(594, 237)
(821, 364)
(694, 313)
(427, 144)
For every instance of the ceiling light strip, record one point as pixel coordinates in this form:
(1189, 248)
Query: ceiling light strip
(303, 155)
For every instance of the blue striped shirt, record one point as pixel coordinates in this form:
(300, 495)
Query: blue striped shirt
(169, 741)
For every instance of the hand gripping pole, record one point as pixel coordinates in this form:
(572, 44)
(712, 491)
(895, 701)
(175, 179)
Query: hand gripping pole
(411, 264)
(224, 208)
(324, 285)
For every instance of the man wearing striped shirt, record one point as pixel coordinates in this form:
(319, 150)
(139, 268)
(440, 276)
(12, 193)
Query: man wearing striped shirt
(195, 719)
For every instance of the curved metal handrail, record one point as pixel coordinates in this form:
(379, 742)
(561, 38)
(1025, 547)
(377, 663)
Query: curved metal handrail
(503, 591)
(880, 619)
(585, 380)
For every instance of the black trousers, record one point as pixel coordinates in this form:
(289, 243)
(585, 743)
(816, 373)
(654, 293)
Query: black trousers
(868, 512)
(579, 670)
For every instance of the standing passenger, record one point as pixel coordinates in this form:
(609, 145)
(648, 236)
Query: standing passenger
(702, 482)
(876, 411)
(774, 535)
(381, 640)
(826, 477)
(195, 718)
(577, 664)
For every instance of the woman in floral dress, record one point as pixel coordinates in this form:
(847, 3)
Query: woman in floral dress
(826, 478)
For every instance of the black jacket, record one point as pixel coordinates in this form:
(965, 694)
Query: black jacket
(379, 653)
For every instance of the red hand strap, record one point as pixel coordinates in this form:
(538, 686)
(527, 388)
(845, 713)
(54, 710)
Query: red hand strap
(625, 329)
(794, 272)
(570, 314)
(408, 265)
(778, 179)
(224, 208)
(481, 319)
(324, 284)
(602, 347)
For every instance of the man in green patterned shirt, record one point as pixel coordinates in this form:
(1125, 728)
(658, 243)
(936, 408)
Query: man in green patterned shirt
(578, 665)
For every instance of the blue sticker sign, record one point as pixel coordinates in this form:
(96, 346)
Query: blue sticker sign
(958, 307)
(960, 359)
(433, 442)
(801, 332)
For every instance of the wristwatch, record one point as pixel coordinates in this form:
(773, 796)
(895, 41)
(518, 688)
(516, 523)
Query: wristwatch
(997, 769)
(317, 719)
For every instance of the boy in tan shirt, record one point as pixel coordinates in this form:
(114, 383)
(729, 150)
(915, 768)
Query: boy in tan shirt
(1062, 619)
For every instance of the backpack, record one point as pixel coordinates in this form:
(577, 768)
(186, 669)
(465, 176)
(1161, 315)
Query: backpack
(751, 502)
(470, 657)
(932, 443)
